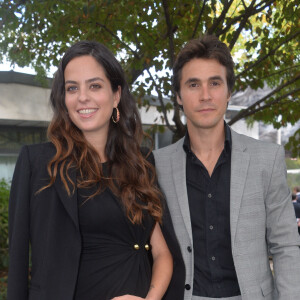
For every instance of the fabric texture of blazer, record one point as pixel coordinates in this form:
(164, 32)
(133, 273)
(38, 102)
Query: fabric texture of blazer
(262, 217)
(48, 221)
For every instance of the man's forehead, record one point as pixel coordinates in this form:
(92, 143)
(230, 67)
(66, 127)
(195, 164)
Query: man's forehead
(203, 68)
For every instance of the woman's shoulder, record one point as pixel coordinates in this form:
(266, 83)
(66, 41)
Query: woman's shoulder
(35, 151)
(46, 147)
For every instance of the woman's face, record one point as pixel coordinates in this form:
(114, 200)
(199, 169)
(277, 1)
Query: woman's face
(89, 97)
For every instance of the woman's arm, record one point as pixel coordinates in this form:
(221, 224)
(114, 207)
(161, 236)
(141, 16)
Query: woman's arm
(162, 268)
(162, 265)
(19, 229)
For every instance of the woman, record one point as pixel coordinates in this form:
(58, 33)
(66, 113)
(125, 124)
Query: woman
(87, 202)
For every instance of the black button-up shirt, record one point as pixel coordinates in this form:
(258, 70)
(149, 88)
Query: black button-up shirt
(209, 201)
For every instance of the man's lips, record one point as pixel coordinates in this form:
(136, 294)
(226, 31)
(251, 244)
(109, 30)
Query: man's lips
(206, 109)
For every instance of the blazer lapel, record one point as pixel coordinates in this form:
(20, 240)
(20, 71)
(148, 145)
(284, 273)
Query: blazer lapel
(239, 167)
(69, 202)
(178, 161)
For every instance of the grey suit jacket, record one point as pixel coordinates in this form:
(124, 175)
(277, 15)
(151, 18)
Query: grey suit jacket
(262, 217)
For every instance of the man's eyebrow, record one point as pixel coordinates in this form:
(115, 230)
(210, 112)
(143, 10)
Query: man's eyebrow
(192, 79)
(217, 77)
(195, 79)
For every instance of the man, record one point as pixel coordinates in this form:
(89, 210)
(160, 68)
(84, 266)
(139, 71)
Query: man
(297, 210)
(296, 191)
(227, 193)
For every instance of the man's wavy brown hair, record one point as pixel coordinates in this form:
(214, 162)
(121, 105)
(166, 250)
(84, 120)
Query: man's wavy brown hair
(131, 176)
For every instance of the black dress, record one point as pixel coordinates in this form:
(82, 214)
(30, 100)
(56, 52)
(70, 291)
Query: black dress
(115, 254)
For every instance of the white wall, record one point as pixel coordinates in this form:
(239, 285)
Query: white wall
(24, 103)
(241, 127)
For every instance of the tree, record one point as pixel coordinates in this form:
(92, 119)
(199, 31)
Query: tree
(146, 35)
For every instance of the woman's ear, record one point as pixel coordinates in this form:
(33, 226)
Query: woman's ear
(117, 96)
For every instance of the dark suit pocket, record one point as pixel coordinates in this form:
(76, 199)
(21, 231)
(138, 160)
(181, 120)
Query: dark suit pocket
(267, 286)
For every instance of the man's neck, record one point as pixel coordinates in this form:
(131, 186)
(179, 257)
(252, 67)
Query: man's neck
(207, 145)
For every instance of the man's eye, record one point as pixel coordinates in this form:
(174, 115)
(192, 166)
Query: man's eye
(215, 83)
(193, 85)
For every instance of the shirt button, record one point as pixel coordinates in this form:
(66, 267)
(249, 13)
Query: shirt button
(209, 195)
(211, 227)
(187, 287)
(213, 258)
(189, 249)
(136, 247)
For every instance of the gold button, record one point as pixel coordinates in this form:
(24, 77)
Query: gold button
(136, 247)
(147, 247)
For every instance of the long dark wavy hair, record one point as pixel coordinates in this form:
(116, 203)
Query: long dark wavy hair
(131, 177)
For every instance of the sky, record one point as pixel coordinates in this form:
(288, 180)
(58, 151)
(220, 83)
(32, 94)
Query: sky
(5, 66)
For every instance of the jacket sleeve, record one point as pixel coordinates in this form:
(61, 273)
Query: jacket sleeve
(282, 235)
(19, 204)
(175, 290)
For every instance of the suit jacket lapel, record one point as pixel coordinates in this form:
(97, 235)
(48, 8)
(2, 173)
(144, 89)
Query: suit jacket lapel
(239, 167)
(69, 202)
(178, 161)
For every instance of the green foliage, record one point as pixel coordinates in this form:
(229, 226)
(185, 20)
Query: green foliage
(294, 144)
(292, 164)
(3, 286)
(263, 36)
(293, 180)
(4, 195)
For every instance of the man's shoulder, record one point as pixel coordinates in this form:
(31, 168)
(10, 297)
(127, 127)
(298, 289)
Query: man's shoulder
(251, 143)
(169, 149)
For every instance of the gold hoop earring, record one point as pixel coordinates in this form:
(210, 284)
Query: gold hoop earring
(117, 119)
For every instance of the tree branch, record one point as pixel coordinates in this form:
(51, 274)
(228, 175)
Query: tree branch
(198, 19)
(238, 19)
(160, 98)
(136, 54)
(176, 117)
(242, 24)
(218, 20)
(263, 107)
(252, 108)
(169, 32)
(271, 52)
(276, 73)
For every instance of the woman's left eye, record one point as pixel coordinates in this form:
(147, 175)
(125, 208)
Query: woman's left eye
(95, 86)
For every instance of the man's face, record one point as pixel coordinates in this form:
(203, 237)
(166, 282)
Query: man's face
(204, 93)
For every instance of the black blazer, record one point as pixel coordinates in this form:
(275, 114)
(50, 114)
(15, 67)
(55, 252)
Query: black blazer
(48, 221)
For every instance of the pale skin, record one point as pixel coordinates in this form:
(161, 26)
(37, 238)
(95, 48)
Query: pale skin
(204, 96)
(90, 101)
